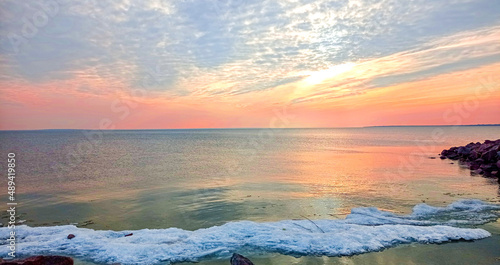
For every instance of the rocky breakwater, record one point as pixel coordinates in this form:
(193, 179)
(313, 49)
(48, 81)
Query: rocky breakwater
(480, 158)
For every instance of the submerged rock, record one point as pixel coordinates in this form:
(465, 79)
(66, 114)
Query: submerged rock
(483, 159)
(39, 260)
(238, 259)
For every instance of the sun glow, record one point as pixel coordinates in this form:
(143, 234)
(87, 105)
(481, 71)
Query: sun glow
(320, 76)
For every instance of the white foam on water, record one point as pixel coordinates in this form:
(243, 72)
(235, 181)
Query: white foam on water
(364, 230)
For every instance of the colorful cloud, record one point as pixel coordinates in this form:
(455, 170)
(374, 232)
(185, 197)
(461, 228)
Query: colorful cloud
(197, 64)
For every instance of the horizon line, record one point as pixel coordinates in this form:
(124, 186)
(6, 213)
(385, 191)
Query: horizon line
(248, 128)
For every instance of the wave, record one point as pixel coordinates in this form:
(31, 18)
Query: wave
(366, 229)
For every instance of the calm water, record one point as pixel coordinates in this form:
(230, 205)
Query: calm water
(191, 179)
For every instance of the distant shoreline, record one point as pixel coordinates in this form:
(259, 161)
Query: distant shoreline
(466, 125)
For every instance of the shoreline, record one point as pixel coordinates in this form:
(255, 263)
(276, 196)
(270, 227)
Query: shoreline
(447, 253)
(381, 230)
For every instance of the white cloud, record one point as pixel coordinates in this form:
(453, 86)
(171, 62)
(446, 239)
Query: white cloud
(222, 48)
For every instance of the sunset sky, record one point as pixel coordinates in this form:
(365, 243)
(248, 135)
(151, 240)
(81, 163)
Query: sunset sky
(157, 64)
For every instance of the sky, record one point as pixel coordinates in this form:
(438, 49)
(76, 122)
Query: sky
(131, 64)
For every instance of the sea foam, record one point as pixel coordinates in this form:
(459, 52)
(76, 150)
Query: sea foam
(364, 230)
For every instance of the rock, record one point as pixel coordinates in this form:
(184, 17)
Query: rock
(238, 259)
(40, 260)
(70, 236)
(489, 155)
(463, 150)
(486, 167)
(481, 158)
(131, 234)
(489, 174)
(485, 147)
(474, 166)
(432, 157)
(473, 155)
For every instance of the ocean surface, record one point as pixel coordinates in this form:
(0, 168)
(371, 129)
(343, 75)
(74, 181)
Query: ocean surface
(277, 196)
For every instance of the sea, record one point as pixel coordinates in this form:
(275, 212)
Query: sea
(374, 195)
